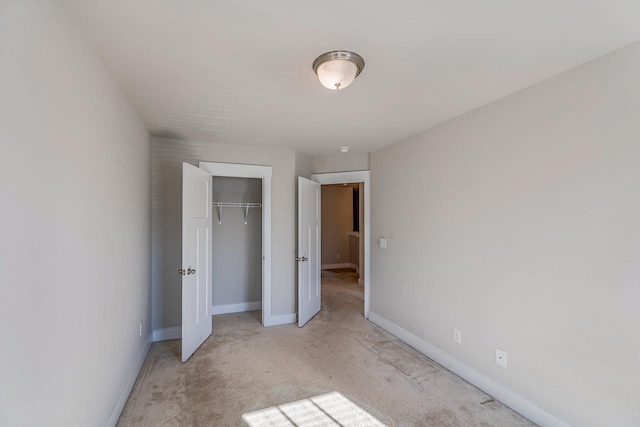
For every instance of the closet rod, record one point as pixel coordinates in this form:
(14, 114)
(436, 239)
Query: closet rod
(246, 207)
(237, 205)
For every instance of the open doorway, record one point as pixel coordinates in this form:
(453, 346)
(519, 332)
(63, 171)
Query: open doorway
(342, 245)
(341, 223)
(345, 245)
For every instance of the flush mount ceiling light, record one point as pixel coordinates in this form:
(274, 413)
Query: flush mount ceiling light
(338, 69)
(344, 149)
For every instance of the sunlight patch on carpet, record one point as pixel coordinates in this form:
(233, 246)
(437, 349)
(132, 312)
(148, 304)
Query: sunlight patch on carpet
(330, 409)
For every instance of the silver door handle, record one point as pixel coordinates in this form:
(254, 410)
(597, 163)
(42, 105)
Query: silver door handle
(191, 271)
(302, 259)
(181, 272)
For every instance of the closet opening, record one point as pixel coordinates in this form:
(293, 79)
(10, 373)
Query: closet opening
(241, 239)
(237, 245)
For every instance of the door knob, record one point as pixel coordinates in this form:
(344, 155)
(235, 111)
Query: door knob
(191, 271)
(181, 272)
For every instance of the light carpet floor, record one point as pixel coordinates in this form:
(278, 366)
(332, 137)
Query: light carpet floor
(244, 368)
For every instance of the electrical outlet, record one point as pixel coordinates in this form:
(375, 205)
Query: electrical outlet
(457, 335)
(140, 328)
(337, 256)
(501, 357)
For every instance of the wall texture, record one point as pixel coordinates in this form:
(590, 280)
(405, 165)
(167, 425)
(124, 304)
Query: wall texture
(75, 229)
(337, 223)
(518, 224)
(167, 156)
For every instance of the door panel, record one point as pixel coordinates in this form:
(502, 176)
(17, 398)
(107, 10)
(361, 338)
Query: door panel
(196, 258)
(309, 292)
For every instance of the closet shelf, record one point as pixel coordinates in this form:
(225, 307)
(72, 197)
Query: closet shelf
(237, 205)
(245, 206)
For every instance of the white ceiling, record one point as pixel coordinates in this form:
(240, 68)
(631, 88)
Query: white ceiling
(240, 72)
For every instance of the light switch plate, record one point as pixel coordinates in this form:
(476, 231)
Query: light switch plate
(383, 242)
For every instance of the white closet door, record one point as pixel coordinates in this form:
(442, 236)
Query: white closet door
(196, 258)
(309, 296)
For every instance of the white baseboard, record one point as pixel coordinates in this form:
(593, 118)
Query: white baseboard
(172, 333)
(283, 319)
(236, 308)
(343, 265)
(132, 375)
(483, 382)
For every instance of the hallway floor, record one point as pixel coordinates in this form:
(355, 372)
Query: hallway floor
(244, 367)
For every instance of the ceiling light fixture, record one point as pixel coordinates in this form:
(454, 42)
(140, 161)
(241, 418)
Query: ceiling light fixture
(344, 149)
(338, 69)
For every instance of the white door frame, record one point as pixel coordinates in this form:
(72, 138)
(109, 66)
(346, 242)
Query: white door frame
(264, 173)
(346, 178)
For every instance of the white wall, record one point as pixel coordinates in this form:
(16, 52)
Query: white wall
(75, 229)
(167, 157)
(343, 162)
(303, 166)
(337, 223)
(518, 224)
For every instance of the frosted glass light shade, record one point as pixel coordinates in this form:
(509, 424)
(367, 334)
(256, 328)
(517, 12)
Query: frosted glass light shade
(338, 69)
(337, 74)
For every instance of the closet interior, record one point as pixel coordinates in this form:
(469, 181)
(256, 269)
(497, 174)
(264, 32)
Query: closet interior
(237, 244)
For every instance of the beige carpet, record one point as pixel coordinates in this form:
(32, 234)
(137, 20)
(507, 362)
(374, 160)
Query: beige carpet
(245, 369)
